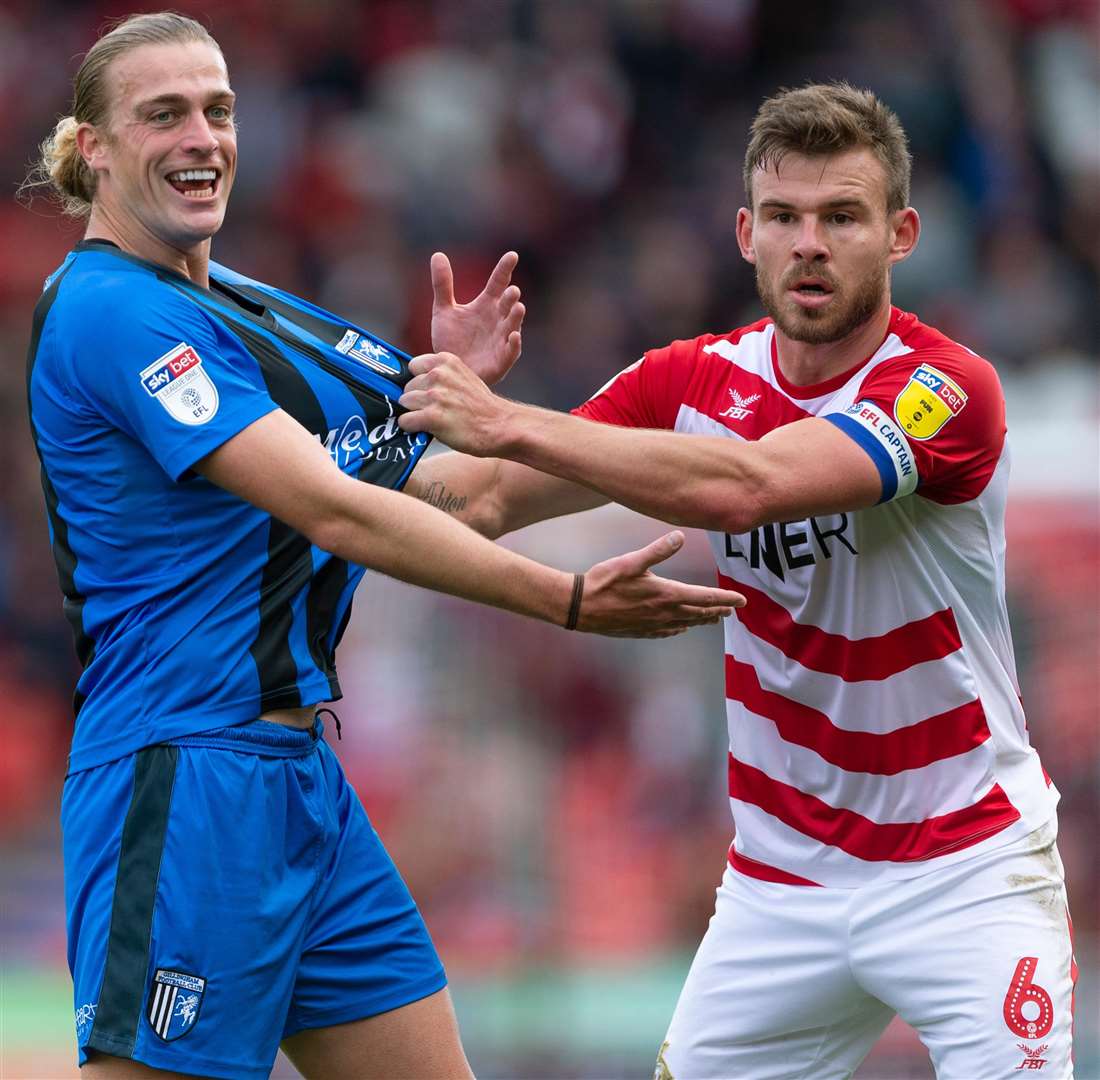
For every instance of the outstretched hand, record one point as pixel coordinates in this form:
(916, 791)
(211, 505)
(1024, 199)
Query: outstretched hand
(623, 599)
(486, 331)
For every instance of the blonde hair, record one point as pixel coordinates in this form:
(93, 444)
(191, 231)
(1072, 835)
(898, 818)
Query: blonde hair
(830, 118)
(60, 166)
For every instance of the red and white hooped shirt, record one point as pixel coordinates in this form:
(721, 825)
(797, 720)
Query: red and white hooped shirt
(874, 713)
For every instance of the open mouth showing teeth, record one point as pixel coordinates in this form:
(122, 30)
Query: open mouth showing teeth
(194, 183)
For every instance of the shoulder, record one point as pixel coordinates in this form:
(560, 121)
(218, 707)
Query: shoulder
(924, 359)
(104, 302)
(929, 346)
(726, 345)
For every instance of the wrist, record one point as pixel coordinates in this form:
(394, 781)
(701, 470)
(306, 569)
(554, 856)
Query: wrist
(506, 427)
(575, 600)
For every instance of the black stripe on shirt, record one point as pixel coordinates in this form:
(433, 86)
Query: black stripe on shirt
(289, 566)
(127, 965)
(64, 557)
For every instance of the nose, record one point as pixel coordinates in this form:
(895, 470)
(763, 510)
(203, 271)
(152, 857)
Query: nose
(809, 244)
(198, 136)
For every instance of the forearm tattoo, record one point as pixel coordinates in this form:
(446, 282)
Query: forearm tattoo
(437, 494)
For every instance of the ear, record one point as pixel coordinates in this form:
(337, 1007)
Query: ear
(93, 147)
(744, 235)
(904, 233)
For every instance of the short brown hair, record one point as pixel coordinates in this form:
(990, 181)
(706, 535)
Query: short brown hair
(60, 165)
(830, 118)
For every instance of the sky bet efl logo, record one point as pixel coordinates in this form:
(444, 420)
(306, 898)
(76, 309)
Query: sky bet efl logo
(177, 380)
(928, 400)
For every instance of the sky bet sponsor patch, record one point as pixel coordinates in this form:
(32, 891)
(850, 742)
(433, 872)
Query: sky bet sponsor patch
(928, 400)
(177, 380)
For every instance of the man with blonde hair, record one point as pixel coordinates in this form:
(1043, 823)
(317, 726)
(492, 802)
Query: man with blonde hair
(203, 439)
(895, 831)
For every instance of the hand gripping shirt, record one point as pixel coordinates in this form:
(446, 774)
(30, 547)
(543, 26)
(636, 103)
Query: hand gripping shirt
(193, 609)
(874, 716)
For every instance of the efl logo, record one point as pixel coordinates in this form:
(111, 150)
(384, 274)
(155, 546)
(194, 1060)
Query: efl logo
(177, 380)
(928, 400)
(168, 368)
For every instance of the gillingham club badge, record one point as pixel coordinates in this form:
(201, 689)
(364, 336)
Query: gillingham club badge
(174, 1003)
(927, 401)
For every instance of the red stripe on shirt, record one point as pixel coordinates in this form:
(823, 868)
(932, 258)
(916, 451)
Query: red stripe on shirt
(912, 747)
(763, 872)
(710, 392)
(910, 841)
(854, 660)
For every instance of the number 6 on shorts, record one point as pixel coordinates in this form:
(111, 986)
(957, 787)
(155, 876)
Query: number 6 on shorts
(1033, 1022)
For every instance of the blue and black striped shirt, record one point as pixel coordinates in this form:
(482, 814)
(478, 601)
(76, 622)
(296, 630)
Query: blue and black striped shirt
(193, 609)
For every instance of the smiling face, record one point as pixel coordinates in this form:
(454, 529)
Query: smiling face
(822, 242)
(166, 160)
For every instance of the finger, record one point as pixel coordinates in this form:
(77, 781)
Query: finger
(510, 297)
(443, 281)
(501, 276)
(704, 597)
(661, 549)
(689, 612)
(649, 634)
(513, 347)
(414, 421)
(425, 362)
(414, 400)
(515, 317)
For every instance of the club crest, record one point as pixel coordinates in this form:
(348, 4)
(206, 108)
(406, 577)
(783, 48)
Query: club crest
(370, 353)
(174, 1003)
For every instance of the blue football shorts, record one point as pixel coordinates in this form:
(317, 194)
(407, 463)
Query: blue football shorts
(225, 891)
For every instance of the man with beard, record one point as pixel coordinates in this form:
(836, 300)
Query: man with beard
(895, 831)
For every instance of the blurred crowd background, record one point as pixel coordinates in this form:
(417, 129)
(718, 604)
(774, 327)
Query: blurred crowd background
(557, 802)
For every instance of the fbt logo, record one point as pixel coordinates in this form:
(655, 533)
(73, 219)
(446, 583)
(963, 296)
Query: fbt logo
(740, 407)
(790, 544)
(1033, 1059)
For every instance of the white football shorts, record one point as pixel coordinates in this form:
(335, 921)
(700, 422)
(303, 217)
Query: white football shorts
(795, 981)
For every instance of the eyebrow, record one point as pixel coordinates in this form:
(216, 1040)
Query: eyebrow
(181, 100)
(772, 203)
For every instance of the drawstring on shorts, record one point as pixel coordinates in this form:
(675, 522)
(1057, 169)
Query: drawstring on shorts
(336, 720)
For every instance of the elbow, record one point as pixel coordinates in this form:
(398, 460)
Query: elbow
(750, 508)
(330, 532)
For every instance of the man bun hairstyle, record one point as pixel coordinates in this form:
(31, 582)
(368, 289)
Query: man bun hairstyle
(60, 166)
(830, 118)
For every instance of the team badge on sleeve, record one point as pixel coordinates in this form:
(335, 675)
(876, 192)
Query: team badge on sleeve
(174, 1003)
(927, 401)
(178, 381)
(369, 353)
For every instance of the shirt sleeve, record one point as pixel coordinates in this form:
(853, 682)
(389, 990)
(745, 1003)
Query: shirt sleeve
(932, 422)
(162, 371)
(648, 393)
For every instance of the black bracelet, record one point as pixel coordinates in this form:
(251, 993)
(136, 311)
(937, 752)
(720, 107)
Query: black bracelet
(575, 602)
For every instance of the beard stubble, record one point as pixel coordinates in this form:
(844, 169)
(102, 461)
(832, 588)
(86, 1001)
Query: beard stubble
(822, 327)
